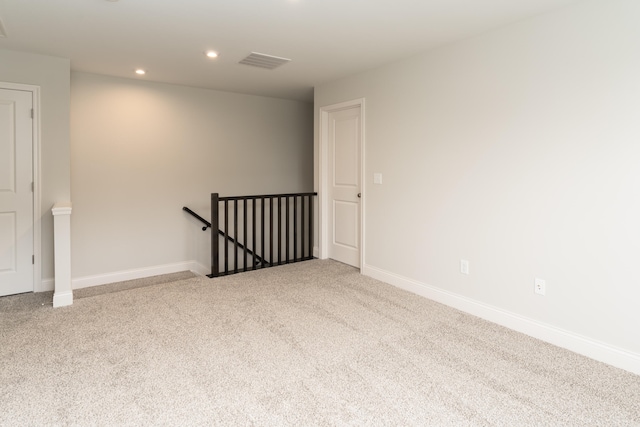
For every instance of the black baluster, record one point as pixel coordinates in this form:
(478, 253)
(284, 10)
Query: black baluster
(302, 227)
(244, 206)
(271, 231)
(295, 228)
(263, 209)
(253, 227)
(279, 230)
(235, 236)
(310, 226)
(287, 241)
(215, 241)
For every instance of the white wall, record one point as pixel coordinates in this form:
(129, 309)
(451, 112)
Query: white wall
(518, 150)
(141, 151)
(52, 76)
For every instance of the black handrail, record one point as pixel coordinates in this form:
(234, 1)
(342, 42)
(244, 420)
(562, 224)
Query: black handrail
(202, 220)
(266, 196)
(208, 225)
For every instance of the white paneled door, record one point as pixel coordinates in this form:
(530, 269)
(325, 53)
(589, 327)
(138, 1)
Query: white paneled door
(344, 165)
(16, 192)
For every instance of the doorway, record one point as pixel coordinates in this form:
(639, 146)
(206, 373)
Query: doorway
(341, 182)
(18, 169)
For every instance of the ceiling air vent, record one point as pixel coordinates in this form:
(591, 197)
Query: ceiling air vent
(264, 61)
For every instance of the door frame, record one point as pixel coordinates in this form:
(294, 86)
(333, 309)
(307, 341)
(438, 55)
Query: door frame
(323, 183)
(36, 176)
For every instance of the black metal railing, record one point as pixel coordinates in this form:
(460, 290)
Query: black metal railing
(207, 224)
(279, 227)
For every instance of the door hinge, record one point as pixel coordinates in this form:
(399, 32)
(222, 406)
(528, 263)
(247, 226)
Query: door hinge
(33, 259)
(32, 113)
(32, 187)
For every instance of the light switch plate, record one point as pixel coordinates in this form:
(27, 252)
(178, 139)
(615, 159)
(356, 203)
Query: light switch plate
(464, 266)
(377, 178)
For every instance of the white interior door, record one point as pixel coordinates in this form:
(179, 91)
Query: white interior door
(344, 192)
(16, 192)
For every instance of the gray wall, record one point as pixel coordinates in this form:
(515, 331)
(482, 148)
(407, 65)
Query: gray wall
(519, 151)
(141, 151)
(52, 75)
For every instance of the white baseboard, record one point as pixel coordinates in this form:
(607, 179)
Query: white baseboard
(46, 285)
(199, 269)
(137, 273)
(562, 338)
(62, 299)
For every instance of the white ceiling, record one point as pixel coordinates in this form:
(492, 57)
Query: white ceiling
(326, 39)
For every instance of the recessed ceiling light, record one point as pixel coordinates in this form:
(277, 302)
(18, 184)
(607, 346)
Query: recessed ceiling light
(211, 54)
(141, 72)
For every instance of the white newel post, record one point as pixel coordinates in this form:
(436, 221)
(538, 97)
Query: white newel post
(63, 294)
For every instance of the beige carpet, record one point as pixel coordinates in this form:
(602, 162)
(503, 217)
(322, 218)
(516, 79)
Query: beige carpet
(306, 344)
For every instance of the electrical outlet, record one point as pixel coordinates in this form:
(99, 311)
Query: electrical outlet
(464, 266)
(540, 286)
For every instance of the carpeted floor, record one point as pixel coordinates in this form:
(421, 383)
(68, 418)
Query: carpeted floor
(305, 344)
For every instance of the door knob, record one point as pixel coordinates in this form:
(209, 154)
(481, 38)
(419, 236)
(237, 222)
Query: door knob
(359, 195)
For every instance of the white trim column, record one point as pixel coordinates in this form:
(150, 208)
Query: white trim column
(63, 294)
